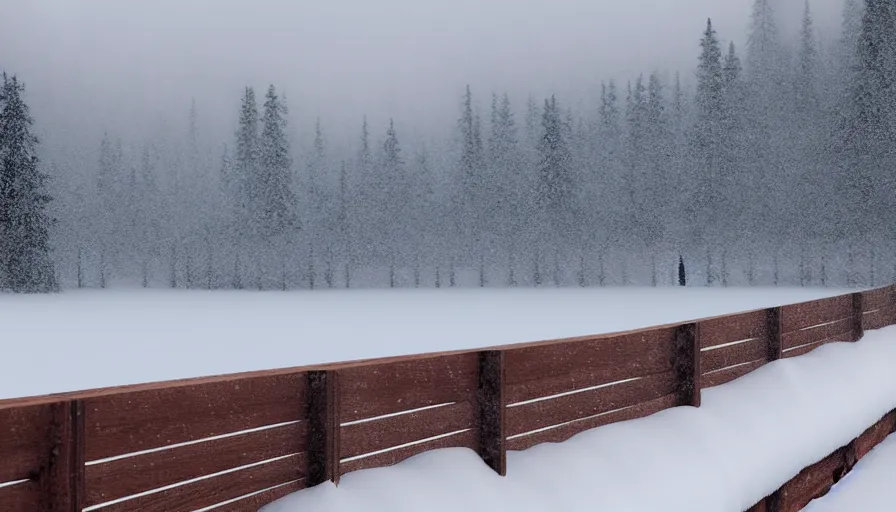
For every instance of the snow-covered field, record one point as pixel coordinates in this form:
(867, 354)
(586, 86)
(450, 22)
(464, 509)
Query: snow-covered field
(868, 487)
(748, 437)
(95, 338)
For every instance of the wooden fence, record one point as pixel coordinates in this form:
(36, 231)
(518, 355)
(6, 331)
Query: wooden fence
(240, 441)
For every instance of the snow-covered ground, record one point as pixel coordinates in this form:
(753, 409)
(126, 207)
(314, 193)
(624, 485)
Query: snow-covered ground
(749, 437)
(868, 487)
(95, 338)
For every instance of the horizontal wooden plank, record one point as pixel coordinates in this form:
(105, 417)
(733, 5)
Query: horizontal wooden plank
(371, 436)
(815, 334)
(879, 319)
(797, 316)
(524, 391)
(809, 347)
(125, 477)
(813, 482)
(748, 351)
(124, 423)
(566, 408)
(878, 298)
(564, 432)
(23, 497)
(368, 391)
(256, 501)
(726, 375)
(607, 359)
(875, 434)
(466, 439)
(718, 331)
(25, 440)
(211, 491)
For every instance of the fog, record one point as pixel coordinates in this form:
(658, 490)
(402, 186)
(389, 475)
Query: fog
(348, 143)
(131, 67)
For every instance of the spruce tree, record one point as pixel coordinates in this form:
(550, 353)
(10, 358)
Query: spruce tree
(246, 161)
(707, 132)
(555, 183)
(273, 191)
(26, 264)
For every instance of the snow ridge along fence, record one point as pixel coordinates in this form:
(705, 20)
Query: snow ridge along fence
(237, 442)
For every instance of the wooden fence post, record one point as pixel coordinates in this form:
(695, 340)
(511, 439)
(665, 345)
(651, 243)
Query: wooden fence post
(687, 363)
(62, 478)
(491, 411)
(858, 329)
(323, 427)
(773, 327)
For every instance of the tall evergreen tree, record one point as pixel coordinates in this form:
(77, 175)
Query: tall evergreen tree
(246, 160)
(869, 128)
(25, 260)
(274, 193)
(555, 180)
(707, 131)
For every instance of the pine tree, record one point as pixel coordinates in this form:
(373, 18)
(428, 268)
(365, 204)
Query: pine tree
(555, 181)
(707, 132)
(246, 161)
(274, 193)
(26, 264)
(865, 140)
(807, 100)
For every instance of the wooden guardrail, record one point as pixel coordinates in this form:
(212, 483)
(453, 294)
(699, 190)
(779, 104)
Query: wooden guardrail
(237, 442)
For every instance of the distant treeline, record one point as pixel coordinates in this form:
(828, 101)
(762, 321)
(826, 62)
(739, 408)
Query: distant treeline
(776, 168)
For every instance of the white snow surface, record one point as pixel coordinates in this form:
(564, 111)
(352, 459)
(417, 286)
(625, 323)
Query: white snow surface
(96, 338)
(868, 487)
(749, 437)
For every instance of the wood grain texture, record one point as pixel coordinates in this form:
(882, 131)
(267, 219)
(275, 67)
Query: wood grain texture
(858, 327)
(125, 477)
(466, 439)
(746, 352)
(124, 423)
(373, 390)
(566, 408)
(362, 438)
(842, 328)
(25, 441)
(877, 298)
(812, 482)
(604, 359)
(719, 331)
(564, 432)
(720, 377)
(807, 314)
(23, 497)
(256, 501)
(875, 435)
(687, 365)
(879, 319)
(491, 411)
(773, 328)
(323, 426)
(211, 491)
(809, 347)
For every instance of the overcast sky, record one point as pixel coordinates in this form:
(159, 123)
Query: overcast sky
(127, 66)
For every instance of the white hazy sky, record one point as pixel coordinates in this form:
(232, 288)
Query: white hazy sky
(127, 66)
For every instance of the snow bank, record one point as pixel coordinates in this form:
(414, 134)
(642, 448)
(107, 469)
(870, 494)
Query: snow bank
(95, 338)
(749, 437)
(868, 487)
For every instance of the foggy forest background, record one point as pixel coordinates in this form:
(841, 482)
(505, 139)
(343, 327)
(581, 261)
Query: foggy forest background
(768, 164)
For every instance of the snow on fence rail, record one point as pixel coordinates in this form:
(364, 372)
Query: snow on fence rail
(237, 442)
